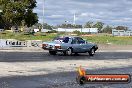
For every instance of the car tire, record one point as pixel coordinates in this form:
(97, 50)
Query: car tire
(68, 51)
(92, 52)
(52, 52)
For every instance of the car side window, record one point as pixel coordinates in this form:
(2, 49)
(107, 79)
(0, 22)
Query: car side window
(74, 41)
(80, 40)
(66, 40)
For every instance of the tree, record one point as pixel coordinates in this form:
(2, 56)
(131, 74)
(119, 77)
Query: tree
(38, 26)
(47, 26)
(121, 28)
(88, 24)
(1, 21)
(107, 29)
(15, 11)
(77, 26)
(77, 32)
(31, 18)
(98, 25)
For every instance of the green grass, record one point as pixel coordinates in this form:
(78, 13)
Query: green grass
(110, 39)
(99, 39)
(26, 36)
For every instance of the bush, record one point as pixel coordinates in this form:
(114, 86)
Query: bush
(77, 32)
(52, 31)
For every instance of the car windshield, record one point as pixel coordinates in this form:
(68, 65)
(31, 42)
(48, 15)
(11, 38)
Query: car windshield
(62, 39)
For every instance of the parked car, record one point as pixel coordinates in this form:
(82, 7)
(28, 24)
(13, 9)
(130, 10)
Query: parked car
(69, 45)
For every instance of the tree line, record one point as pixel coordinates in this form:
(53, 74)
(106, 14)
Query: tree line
(102, 28)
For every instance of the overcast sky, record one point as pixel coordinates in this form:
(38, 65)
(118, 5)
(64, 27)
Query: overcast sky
(111, 12)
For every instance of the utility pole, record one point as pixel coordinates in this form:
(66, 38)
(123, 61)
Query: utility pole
(43, 16)
(74, 20)
(1, 33)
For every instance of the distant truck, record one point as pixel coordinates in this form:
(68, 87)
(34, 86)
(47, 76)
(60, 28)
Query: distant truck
(69, 45)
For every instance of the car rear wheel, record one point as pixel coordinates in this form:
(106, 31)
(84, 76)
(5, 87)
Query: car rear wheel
(92, 52)
(52, 52)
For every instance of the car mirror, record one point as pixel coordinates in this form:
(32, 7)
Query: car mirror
(86, 42)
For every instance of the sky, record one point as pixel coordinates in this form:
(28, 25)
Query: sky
(110, 12)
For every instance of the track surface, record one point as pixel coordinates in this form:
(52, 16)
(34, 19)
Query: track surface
(62, 79)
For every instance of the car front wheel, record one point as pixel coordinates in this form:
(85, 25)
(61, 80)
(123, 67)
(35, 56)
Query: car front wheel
(68, 52)
(92, 52)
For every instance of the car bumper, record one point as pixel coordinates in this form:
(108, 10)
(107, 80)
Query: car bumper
(52, 49)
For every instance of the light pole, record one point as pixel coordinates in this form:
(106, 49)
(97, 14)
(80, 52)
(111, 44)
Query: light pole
(1, 33)
(43, 17)
(74, 20)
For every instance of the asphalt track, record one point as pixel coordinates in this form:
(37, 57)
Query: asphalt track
(61, 79)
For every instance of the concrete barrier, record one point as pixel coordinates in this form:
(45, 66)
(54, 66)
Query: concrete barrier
(17, 43)
(12, 43)
(2, 43)
(36, 43)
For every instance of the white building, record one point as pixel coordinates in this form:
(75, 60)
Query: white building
(85, 30)
(121, 33)
(45, 30)
(36, 30)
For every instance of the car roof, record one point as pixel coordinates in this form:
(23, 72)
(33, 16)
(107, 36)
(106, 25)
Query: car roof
(68, 36)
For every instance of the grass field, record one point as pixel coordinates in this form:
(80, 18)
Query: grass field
(110, 40)
(99, 39)
(27, 36)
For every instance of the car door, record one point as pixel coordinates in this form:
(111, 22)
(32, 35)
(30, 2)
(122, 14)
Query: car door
(82, 44)
(75, 45)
